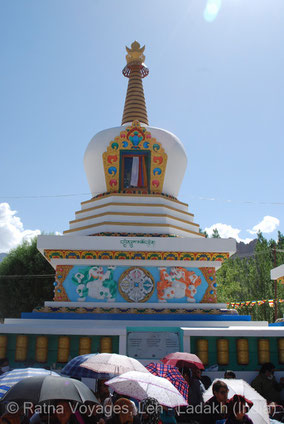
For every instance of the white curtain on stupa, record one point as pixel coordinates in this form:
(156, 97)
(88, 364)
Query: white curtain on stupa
(134, 171)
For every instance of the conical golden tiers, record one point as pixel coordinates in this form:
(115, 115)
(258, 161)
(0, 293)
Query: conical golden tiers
(135, 70)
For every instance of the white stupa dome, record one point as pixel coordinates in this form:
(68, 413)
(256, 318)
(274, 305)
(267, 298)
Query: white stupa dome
(175, 168)
(134, 172)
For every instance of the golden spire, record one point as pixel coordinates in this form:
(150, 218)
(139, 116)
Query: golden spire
(135, 70)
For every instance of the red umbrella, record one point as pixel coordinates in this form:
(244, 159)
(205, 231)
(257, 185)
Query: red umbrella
(183, 360)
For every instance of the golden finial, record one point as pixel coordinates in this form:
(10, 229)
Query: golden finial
(135, 70)
(135, 54)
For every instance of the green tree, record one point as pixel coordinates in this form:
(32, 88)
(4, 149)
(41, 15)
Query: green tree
(248, 278)
(21, 286)
(215, 233)
(203, 232)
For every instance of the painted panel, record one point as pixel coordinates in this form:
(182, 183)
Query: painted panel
(135, 284)
(137, 140)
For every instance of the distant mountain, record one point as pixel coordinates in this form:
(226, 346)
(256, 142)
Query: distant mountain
(2, 256)
(245, 250)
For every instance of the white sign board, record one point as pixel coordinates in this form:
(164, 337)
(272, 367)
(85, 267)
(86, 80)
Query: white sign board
(152, 345)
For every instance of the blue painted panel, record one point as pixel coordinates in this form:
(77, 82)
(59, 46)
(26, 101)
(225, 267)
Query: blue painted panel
(137, 284)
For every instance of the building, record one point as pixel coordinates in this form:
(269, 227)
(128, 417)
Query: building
(133, 273)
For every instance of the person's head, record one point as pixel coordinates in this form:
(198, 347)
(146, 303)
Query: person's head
(151, 411)
(63, 411)
(220, 391)
(238, 406)
(123, 408)
(196, 372)
(229, 374)
(4, 365)
(8, 418)
(267, 370)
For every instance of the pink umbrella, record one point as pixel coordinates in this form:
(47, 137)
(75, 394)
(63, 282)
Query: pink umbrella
(183, 360)
(140, 385)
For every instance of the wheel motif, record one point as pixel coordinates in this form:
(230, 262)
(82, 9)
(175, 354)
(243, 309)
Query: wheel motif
(136, 285)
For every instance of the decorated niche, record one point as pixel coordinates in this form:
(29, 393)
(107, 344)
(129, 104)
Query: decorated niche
(135, 162)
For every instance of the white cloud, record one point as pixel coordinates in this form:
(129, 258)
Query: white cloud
(267, 225)
(226, 231)
(12, 231)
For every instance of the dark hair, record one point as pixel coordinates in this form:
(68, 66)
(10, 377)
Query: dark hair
(219, 385)
(185, 371)
(229, 374)
(236, 404)
(268, 366)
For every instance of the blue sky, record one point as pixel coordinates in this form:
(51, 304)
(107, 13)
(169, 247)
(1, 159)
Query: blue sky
(216, 81)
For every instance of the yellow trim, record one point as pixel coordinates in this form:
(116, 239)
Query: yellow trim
(112, 156)
(133, 204)
(133, 214)
(133, 195)
(131, 224)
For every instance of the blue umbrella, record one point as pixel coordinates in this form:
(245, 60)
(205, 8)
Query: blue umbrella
(10, 378)
(73, 369)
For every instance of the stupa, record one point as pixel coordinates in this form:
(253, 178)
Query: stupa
(134, 274)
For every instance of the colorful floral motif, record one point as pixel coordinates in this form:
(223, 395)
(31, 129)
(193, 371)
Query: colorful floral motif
(100, 254)
(112, 254)
(60, 294)
(135, 138)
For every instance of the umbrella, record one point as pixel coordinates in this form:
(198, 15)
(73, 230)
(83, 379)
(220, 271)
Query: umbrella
(73, 369)
(258, 413)
(140, 385)
(10, 378)
(49, 387)
(170, 373)
(112, 363)
(183, 359)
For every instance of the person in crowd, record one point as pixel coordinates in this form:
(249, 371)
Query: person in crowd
(168, 416)
(110, 401)
(186, 414)
(266, 384)
(237, 408)
(216, 407)
(150, 411)
(196, 387)
(16, 418)
(102, 391)
(195, 395)
(63, 413)
(4, 365)
(123, 413)
(93, 415)
(229, 374)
